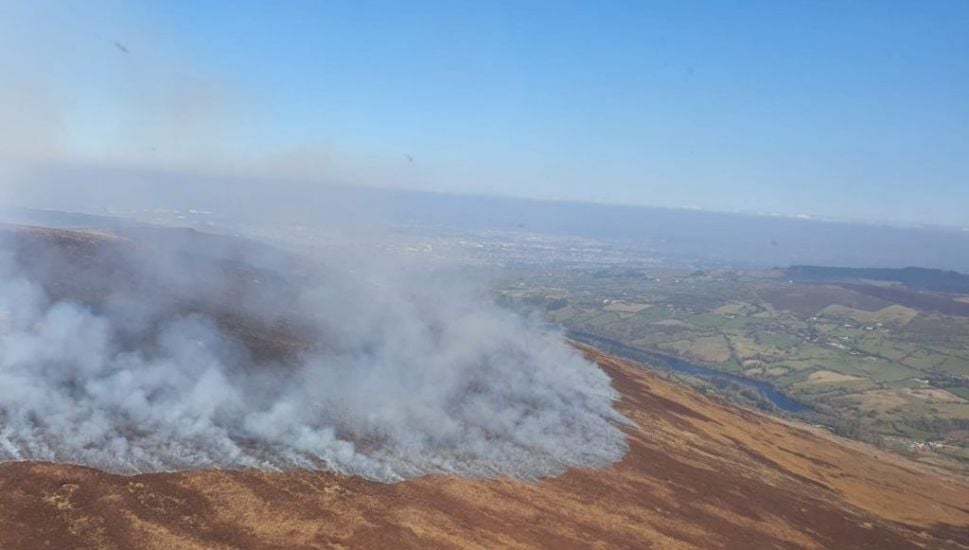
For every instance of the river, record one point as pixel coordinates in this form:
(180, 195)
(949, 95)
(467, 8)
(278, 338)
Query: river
(676, 364)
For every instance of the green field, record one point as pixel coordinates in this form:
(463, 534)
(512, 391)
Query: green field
(889, 372)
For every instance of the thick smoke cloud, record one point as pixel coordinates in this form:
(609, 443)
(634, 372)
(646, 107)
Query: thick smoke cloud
(138, 357)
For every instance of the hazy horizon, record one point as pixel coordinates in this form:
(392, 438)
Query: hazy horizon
(32, 186)
(680, 236)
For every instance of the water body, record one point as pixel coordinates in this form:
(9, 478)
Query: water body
(779, 399)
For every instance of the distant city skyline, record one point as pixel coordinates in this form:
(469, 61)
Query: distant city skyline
(845, 111)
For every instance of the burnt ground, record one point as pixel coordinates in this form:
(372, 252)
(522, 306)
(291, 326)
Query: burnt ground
(699, 473)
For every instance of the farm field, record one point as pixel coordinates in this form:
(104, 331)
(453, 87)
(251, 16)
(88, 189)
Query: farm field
(869, 368)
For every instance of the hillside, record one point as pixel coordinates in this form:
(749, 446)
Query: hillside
(698, 474)
(915, 278)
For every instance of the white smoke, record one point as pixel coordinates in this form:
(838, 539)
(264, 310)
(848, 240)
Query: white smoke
(159, 361)
(408, 378)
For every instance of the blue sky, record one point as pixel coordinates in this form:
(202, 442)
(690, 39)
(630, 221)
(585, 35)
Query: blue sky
(854, 110)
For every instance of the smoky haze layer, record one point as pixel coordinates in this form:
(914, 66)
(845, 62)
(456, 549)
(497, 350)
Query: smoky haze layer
(683, 237)
(153, 350)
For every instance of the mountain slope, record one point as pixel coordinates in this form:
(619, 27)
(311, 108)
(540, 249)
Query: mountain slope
(699, 473)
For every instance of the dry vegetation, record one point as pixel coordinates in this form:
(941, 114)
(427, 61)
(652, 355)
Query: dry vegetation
(699, 474)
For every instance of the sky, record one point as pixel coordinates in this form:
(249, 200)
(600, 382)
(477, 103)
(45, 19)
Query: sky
(838, 109)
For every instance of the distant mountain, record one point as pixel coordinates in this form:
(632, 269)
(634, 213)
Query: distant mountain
(914, 278)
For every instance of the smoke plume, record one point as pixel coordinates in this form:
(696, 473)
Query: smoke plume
(157, 350)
